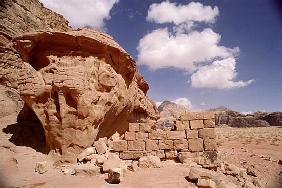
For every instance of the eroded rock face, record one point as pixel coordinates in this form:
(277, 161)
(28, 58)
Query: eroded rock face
(20, 16)
(81, 85)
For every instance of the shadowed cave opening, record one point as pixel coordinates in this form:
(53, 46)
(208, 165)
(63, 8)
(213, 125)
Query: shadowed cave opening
(28, 131)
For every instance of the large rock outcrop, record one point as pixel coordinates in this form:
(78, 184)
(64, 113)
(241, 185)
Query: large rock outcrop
(18, 17)
(81, 85)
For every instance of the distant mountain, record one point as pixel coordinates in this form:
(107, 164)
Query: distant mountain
(171, 109)
(226, 116)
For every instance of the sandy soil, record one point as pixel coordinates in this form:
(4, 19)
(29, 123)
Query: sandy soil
(261, 147)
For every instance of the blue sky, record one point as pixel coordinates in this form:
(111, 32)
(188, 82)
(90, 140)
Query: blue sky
(203, 53)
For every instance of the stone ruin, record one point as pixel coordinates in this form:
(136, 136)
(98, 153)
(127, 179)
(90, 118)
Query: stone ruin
(192, 134)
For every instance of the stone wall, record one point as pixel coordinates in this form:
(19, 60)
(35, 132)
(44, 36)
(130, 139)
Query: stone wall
(192, 133)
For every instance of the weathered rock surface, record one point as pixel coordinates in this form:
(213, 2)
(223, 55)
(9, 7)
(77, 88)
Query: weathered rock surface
(20, 16)
(81, 85)
(150, 162)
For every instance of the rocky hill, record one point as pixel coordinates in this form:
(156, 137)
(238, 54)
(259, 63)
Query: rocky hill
(225, 116)
(171, 109)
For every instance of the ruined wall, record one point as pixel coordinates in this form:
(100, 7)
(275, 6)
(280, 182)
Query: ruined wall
(193, 132)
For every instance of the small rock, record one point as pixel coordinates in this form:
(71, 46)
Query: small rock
(251, 171)
(101, 147)
(67, 170)
(115, 175)
(233, 170)
(150, 161)
(133, 166)
(113, 163)
(197, 173)
(41, 167)
(115, 136)
(206, 183)
(280, 162)
(86, 153)
(87, 169)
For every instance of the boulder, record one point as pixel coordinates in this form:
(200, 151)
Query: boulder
(115, 175)
(68, 170)
(150, 161)
(206, 183)
(87, 170)
(84, 155)
(81, 85)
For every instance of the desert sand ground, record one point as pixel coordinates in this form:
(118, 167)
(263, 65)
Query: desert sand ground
(261, 147)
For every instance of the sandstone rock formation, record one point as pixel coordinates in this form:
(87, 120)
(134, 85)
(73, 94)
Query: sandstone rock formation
(18, 17)
(81, 85)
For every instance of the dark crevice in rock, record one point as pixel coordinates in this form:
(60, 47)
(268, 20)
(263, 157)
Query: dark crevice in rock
(28, 131)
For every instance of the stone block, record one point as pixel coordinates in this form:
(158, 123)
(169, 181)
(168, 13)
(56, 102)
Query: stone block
(207, 133)
(152, 145)
(129, 136)
(126, 155)
(181, 125)
(160, 154)
(120, 145)
(186, 116)
(196, 144)
(208, 115)
(176, 135)
(146, 127)
(165, 144)
(196, 124)
(210, 144)
(209, 123)
(188, 156)
(136, 145)
(87, 170)
(141, 136)
(100, 146)
(170, 154)
(133, 127)
(157, 135)
(180, 144)
(192, 133)
(205, 183)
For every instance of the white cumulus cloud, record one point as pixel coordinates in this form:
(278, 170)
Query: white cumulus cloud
(184, 102)
(198, 52)
(167, 12)
(91, 13)
(220, 74)
(161, 49)
(180, 101)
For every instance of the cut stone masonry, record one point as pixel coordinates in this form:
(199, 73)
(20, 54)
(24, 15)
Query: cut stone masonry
(193, 132)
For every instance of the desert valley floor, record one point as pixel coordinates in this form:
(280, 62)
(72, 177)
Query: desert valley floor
(260, 147)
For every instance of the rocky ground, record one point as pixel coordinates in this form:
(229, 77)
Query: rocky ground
(255, 151)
